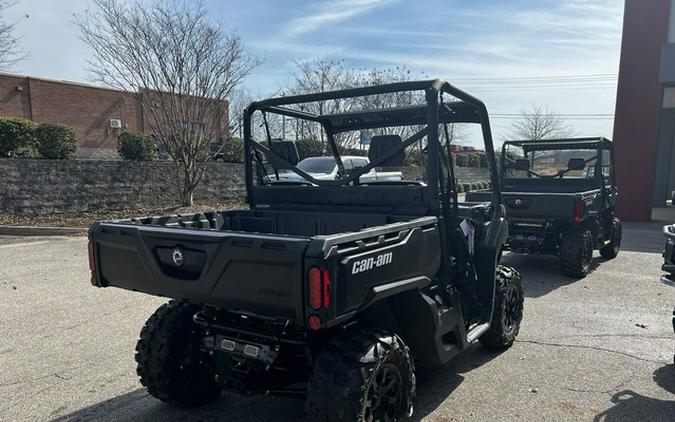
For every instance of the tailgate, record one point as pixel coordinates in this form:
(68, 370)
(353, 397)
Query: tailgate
(528, 205)
(244, 272)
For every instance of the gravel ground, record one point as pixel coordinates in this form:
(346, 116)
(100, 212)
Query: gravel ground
(600, 348)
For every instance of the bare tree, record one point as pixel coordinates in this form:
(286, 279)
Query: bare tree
(540, 123)
(183, 65)
(10, 53)
(238, 100)
(320, 75)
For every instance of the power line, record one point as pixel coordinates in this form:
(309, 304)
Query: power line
(567, 118)
(560, 114)
(540, 78)
(540, 86)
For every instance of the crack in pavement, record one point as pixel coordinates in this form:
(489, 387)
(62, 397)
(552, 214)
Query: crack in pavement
(617, 335)
(617, 387)
(599, 349)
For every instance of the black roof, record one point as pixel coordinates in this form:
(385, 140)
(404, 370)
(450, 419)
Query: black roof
(466, 110)
(569, 143)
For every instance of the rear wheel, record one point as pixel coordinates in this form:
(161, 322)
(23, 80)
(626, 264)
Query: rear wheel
(171, 364)
(576, 253)
(611, 250)
(508, 310)
(362, 376)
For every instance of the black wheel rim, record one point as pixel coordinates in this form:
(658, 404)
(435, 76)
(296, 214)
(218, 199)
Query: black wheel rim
(385, 395)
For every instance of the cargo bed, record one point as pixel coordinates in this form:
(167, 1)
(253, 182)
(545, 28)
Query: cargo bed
(253, 261)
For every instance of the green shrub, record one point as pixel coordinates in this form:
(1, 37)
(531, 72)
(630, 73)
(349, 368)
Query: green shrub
(56, 141)
(136, 146)
(17, 137)
(473, 160)
(233, 150)
(466, 187)
(309, 147)
(460, 188)
(461, 160)
(483, 161)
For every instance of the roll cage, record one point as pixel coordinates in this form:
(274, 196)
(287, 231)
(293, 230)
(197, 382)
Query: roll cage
(598, 144)
(466, 109)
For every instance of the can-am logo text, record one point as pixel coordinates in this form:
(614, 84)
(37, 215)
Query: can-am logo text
(372, 262)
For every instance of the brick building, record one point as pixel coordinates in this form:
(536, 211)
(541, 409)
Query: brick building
(97, 114)
(644, 125)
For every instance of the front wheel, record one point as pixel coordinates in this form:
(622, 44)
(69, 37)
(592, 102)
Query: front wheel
(611, 250)
(362, 376)
(508, 310)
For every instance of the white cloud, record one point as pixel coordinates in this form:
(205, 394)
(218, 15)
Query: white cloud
(330, 13)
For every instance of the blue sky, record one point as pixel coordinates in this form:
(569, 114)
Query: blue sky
(561, 54)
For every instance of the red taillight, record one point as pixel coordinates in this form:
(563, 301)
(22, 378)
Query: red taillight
(319, 288)
(314, 322)
(315, 288)
(579, 211)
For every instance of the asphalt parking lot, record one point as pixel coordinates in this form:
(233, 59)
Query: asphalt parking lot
(600, 348)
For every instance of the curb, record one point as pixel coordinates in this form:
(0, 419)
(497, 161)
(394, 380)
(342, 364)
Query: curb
(41, 231)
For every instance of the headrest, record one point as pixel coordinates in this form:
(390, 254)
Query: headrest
(522, 164)
(287, 149)
(576, 164)
(383, 144)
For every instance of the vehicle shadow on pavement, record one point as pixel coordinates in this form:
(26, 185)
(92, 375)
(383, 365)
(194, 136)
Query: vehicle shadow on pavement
(138, 405)
(631, 406)
(541, 273)
(434, 385)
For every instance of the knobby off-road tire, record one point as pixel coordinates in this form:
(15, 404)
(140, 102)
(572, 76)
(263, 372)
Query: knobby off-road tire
(508, 310)
(576, 253)
(611, 250)
(170, 363)
(362, 376)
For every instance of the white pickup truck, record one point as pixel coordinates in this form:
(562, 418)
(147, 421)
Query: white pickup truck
(325, 168)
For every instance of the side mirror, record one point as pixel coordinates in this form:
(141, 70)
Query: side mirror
(576, 164)
(287, 150)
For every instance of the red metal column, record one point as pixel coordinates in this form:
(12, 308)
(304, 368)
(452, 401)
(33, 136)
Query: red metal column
(638, 105)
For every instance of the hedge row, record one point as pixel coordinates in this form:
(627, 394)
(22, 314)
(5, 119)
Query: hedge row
(475, 159)
(24, 138)
(233, 151)
(466, 187)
